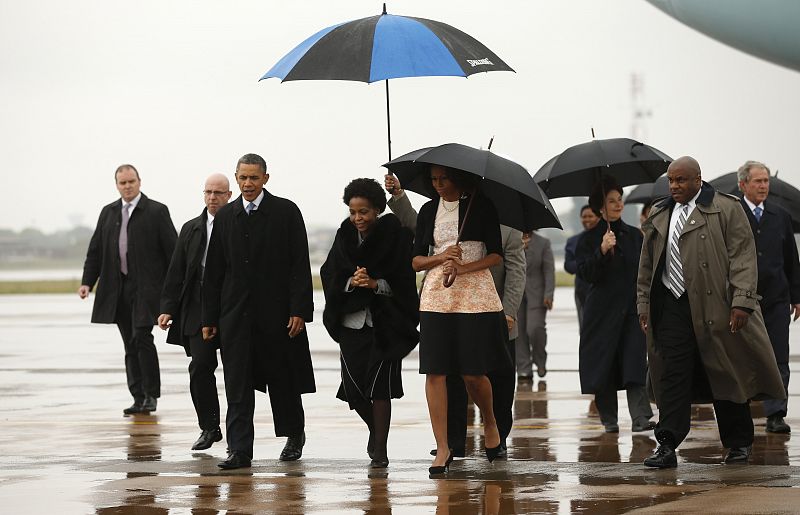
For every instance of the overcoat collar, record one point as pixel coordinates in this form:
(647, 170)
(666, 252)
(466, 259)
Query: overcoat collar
(704, 204)
(263, 208)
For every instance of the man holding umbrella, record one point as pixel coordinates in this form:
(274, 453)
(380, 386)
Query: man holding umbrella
(697, 303)
(778, 274)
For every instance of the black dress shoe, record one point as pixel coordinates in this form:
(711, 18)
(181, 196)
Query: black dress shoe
(541, 371)
(236, 460)
(149, 404)
(643, 425)
(663, 458)
(611, 428)
(738, 455)
(293, 449)
(776, 424)
(379, 462)
(133, 409)
(207, 439)
(456, 452)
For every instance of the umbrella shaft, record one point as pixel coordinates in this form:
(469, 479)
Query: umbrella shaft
(388, 122)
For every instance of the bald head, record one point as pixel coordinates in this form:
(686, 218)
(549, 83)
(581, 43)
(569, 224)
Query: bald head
(217, 192)
(684, 179)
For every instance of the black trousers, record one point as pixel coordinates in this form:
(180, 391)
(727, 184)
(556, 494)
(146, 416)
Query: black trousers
(777, 318)
(203, 383)
(682, 373)
(503, 383)
(141, 357)
(287, 414)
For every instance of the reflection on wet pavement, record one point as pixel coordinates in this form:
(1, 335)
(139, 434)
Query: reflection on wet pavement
(72, 382)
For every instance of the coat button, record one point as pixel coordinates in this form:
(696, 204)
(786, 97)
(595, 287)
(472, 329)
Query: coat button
(710, 322)
(702, 236)
(760, 254)
(758, 231)
(708, 292)
(246, 261)
(705, 265)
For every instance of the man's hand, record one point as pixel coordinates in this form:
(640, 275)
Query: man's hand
(392, 184)
(548, 303)
(643, 323)
(295, 326)
(795, 308)
(83, 291)
(738, 319)
(510, 322)
(164, 320)
(209, 333)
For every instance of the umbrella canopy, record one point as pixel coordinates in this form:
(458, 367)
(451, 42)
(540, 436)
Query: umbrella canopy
(575, 171)
(780, 192)
(519, 201)
(386, 47)
(647, 193)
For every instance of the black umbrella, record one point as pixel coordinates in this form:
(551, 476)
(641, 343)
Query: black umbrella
(780, 192)
(386, 47)
(520, 202)
(647, 193)
(574, 172)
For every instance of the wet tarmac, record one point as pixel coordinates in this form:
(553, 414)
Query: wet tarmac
(67, 448)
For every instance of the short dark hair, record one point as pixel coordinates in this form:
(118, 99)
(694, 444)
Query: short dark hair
(465, 182)
(126, 167)
(252, 159)
(368, 189)
(584, 208)
(597, 199)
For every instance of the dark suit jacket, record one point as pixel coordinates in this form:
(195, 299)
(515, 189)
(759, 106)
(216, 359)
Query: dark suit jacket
(151, 240)
(571, 266)
(778, 264)
(181, 294)
(257, 276)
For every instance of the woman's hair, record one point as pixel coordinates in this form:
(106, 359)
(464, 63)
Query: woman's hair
(368, 189)
(464, 182)
(597, 199)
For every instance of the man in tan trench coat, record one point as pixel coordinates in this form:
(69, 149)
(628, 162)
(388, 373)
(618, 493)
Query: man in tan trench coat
(698, 305)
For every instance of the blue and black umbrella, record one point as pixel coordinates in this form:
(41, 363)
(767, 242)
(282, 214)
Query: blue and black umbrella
(386, 47)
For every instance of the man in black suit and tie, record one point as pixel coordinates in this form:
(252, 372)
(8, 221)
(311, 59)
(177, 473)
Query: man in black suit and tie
(181, 309)
(129, 253)
(257, 294)
(778, 275)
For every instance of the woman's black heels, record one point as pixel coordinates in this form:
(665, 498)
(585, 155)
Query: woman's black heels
(433, 471)
(493, 452)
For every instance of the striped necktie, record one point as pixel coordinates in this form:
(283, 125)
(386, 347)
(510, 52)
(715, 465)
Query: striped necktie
(250, 207)
(123, 239)
(676, 284)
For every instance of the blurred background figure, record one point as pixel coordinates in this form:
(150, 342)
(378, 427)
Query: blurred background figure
(540, 284)
(588, 220)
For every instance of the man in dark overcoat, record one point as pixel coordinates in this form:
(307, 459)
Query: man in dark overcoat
(257, 293)
(181, 309)
(128, 257)
(778, 275)
(697, 302)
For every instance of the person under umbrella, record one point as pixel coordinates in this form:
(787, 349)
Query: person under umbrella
(612, 347)
(371, 308)
(462, 327)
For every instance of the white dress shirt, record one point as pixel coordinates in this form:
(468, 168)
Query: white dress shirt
(673, 221)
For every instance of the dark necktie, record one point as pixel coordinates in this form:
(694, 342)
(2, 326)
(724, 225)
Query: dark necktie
(250, 208)
(123, 239)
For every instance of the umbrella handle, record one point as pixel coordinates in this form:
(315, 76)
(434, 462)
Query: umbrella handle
(449, 279)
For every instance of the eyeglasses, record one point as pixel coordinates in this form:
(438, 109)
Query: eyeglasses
(210, 193)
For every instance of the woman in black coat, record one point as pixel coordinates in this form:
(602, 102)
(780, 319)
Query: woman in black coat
(371, 309)
(613, 354)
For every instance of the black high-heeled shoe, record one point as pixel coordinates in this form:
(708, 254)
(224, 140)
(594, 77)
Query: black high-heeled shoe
(493, 452)
(433, 471)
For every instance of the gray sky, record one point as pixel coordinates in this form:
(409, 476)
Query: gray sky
(172, 88)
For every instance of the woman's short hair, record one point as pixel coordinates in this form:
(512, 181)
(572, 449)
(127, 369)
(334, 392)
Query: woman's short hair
(597, 199)
(368, 189)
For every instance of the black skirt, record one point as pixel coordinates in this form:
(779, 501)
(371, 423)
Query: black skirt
(365, 375)
(463, 343)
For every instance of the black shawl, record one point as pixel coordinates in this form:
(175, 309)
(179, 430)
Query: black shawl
(386, 254)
